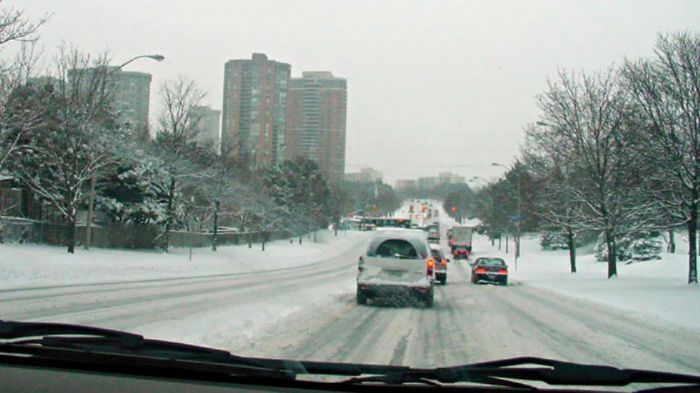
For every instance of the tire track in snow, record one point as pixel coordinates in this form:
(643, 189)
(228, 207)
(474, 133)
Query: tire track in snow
(52, 306)
(625, 329)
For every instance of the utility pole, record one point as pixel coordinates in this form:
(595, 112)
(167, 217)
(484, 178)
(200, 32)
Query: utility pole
(517, 224)
(518, 217)
(216, 224)
(169, 220)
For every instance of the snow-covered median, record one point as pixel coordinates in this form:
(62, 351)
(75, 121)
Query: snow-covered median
(30, 265)
(655, 288)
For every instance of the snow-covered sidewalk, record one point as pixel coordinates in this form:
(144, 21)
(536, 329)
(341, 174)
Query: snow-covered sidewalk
(23, 265)
(651, 289)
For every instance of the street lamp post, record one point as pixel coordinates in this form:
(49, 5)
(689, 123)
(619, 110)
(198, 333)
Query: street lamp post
(93, 177)
(518, 215)
(216, 224)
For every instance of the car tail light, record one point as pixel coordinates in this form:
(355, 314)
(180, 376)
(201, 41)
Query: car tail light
(480, 270)
(503, 271)
(431, 265)
(443, 261)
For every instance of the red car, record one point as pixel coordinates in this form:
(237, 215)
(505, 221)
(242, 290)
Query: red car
(460, 252)
(487, 269)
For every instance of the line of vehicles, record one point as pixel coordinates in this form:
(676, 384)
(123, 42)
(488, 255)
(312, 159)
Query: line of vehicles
(404, 262)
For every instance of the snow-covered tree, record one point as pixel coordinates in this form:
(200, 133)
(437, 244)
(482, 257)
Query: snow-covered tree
(77, 136)
(135, 193)
(633, 246)
(15, 74)
(299, 187)
(553, 239)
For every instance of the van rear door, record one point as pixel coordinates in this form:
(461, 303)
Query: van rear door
(395, 261)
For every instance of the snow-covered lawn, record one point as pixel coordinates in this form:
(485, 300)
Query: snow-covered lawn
(23, 265)
(653, 289)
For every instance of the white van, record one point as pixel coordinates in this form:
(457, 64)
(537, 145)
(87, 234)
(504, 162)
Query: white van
(398, 265)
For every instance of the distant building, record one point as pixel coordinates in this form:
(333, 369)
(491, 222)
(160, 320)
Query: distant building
(428, 182)
(366, 175)
(254, 110)
(131, 92)
(451, 178)
(316, 121)
(406, 184)
(207, 121)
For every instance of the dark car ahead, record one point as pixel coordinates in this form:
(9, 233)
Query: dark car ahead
(486, 269)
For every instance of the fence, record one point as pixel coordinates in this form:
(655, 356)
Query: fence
(147, 236)
(206, 239)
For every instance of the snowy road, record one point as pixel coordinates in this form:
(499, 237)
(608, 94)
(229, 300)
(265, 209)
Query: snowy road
(309, 312)
(480, 322)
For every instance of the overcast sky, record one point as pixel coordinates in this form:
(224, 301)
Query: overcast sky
(432, 85)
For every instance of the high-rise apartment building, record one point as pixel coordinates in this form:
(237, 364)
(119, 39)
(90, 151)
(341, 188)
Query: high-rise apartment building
(206, 122)
(316, 121)
(131, 92)
(254, 110)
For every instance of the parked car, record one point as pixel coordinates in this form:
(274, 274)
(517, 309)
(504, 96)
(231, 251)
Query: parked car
(488, 269)
(440, 263)
(397, 265)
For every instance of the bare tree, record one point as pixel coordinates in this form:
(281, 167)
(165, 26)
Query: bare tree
(178, 120)
(175, 145)
(590, 118)
(15, 26)
(667, 89)
(557, 205)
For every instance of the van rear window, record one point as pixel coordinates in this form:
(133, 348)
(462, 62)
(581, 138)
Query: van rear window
(397, 248)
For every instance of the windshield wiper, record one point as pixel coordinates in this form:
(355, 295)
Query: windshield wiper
(90, 344)
(554, 372)
(85, 343)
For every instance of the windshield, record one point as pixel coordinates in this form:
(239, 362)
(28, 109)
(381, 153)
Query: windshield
(267, 177)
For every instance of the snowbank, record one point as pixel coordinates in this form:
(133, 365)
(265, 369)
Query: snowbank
(655, 288)
(24, 265)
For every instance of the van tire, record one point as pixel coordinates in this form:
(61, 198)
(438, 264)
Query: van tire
(361, 298)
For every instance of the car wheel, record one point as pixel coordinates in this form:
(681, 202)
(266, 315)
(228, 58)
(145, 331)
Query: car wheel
(505, 282)
(361, 298)
(443, 281)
